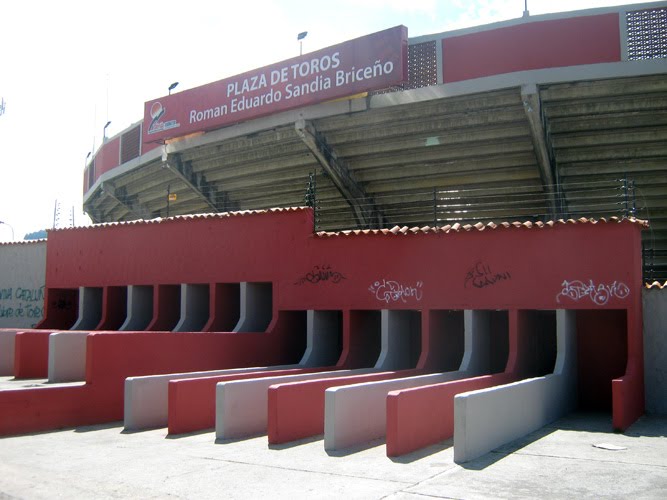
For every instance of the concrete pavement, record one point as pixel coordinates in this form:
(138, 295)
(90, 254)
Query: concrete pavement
(559, 461)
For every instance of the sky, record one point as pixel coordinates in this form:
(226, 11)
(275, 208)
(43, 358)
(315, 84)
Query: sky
(68, 67)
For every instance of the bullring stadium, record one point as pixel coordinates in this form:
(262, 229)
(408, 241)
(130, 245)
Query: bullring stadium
(541, 118)
(432, 251)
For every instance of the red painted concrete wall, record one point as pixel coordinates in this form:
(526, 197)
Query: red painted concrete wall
(422, 416)
(31, 354)
(192, 401)
(61, 306)
(601, 356)
(296, 409)
(107, 157)
(573, 266)
(224, 306)
(112, 357)
(533, 45)
(114, 308)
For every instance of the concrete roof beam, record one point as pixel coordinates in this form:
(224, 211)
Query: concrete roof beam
(366, 212)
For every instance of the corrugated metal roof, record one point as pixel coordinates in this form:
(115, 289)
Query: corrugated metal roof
(396, 230)
(656, 285)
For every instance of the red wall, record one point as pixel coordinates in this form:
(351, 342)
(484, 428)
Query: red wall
(192, 401)
(508, 268)
(107, 157)
(533, 45)
(434, 269)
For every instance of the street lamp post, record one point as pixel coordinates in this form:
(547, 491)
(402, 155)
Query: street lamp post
(300, 37)
(104, 132)
(10, 227)
(172, 87)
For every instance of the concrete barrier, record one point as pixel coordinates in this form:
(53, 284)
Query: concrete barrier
(241, 407)
(345, 425)
(192, 400)
(31, 354)
(67, 356)
(146, 398)
(357, 413)
(488, 418)
(7, 338)
(296, 409)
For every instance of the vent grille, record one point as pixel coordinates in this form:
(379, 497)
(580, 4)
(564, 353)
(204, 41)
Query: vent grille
(647, 34)
(130, 144)
(422, 68)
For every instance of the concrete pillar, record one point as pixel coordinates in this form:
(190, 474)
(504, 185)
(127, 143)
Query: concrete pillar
(477, 341)
(655, 350)
(400, 333)
(194, 308)
(256, 309)
(139, 308)
(323, 337)
(90, 308)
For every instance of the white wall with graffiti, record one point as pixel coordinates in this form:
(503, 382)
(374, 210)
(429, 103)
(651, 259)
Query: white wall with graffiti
(22, 271)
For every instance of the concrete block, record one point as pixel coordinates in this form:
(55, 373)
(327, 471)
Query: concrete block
(67, 356)
(357, 413)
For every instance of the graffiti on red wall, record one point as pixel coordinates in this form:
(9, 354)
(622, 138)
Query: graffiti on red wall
(598, 294)
(481, 276)
(393, 291)
(320, 274)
